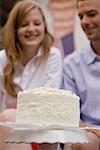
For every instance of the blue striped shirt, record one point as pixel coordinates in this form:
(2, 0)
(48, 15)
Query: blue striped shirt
(81, 74)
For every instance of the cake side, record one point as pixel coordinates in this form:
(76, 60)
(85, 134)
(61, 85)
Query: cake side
(48, 106)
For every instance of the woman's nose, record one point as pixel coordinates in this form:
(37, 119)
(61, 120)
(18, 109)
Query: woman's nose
(31, 27)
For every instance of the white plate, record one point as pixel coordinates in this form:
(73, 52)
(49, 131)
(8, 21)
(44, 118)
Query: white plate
(47, 136)
(23, 133)
(23, 126)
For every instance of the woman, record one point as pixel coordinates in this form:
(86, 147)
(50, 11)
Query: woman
(28, 59)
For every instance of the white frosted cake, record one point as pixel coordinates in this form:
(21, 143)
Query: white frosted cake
(48, 106)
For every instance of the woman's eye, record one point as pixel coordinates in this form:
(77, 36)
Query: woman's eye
(37, 23)
(24, 25)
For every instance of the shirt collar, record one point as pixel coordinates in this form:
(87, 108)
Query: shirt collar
(34, 59)
(90, 56)
(39, 53)
(37, 57)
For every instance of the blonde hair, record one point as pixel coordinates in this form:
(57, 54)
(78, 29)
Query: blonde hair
(11, 43)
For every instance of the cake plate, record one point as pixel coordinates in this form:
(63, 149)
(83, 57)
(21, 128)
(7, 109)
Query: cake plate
(22, 133)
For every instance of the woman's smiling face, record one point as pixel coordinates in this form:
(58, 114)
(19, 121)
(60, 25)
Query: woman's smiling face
(32, 29)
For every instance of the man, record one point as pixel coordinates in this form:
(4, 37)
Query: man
(82, 71)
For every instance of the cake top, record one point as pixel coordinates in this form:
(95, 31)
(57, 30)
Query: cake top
(48, 90)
